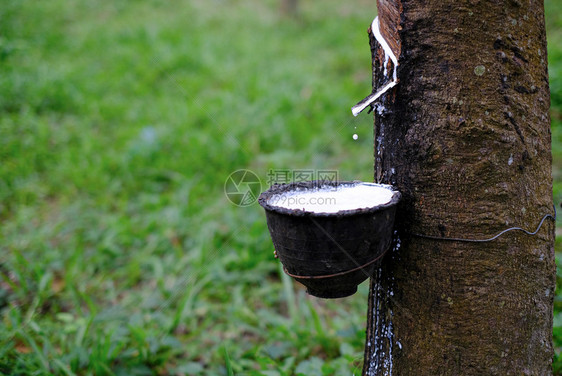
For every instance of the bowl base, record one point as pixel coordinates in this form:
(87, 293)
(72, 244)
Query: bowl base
(332, 294)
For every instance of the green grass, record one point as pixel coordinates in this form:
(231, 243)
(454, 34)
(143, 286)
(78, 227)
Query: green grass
(120, 122)
(554, 34)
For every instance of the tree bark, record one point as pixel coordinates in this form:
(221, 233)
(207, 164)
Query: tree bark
(465, 136)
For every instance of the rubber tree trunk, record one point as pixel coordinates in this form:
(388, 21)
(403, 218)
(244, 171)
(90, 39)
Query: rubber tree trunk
(465, 136)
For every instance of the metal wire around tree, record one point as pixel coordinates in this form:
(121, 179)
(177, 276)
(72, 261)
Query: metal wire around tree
(432, 237)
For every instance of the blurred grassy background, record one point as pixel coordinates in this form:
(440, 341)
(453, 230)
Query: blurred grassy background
(120, 121)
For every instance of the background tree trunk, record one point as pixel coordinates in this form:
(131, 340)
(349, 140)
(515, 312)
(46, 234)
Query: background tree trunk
(466, 138)
(289, 7)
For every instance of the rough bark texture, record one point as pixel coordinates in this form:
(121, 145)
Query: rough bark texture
(465, 136)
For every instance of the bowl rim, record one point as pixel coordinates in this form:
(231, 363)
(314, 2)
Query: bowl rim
(286, 187)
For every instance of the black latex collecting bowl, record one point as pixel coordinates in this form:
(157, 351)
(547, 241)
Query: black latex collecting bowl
(329, 253)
